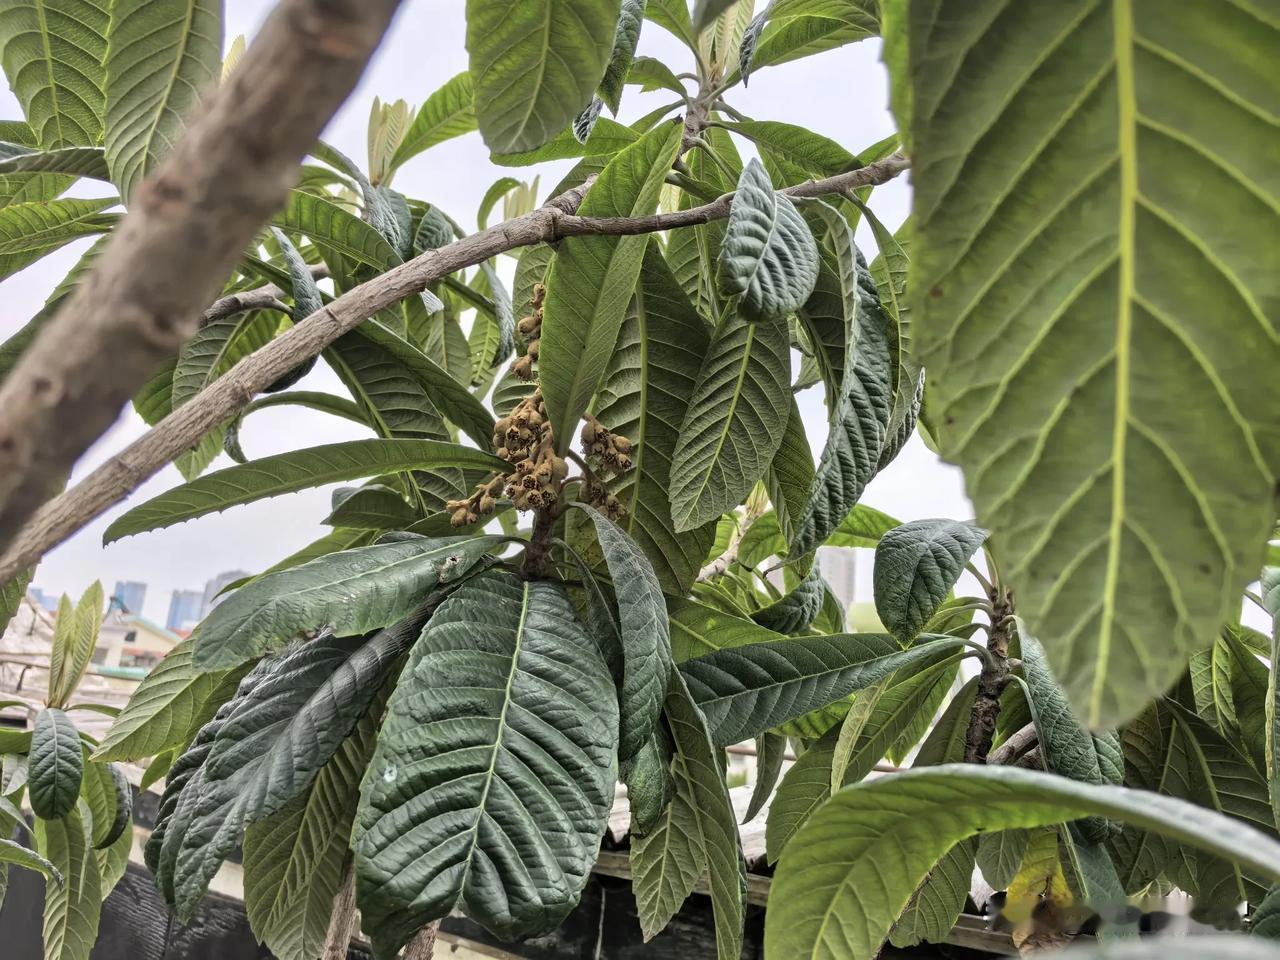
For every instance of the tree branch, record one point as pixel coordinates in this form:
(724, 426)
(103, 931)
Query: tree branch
(991, 682)
(218, 402)
(721, 563)
(266, 297)
(342, 921)
(187, 224)
(1013, 747)
(423, 944)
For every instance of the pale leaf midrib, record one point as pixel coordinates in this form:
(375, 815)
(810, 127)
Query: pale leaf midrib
(1127, 117)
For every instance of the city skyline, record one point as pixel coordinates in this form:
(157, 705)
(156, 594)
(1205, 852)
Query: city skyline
(131, 594)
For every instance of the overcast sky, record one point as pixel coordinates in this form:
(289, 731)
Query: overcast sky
(841, 94)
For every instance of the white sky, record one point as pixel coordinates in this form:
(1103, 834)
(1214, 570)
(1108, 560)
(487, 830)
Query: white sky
(841, 94)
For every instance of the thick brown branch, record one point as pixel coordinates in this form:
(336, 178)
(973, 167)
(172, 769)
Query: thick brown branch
(179, 431)
(423, 944)
(186, 226)
(992, 680)
(342, 921)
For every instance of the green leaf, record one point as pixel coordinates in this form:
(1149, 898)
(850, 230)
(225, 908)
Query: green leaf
(644, 397)
(536, 65)
(804, 788)
(113, 862)
(647, 775)
(889, 271)
(863, 527)
(744, 691)
(698, 629)
(71, 910)
(801, 28)
(336, 231)
(397, 406)
(771, 749)
(340, 539)
(900, 701)
(794, 153)
(296, 470)
(1065, 746)
(216, 348)
(592, 280)
(72, 161)
(514, 742)
(698, 836)
(183, 786)
(110, 801)
(1094, 882)
(161, 56)
(919, 815)
(693, 251)
(860, 419)
(55, 766)
(12, 593)
(668, 861)
(625, 38)
(769, 257)
(375, 507)
(163, 711)
(13, 852)
(350, 592)
(32, 187)
(931, 914)
(29, 231)
(446, 114)
(649, 73)
(916, 566)
(52, 51)
(1219, 776)
(999, 856)
(449, 396)
(74, 638)
(1249, 681)
(789, 480)
(673, 16)
(795, 611)
(860, 708)
(605, 138)
(735, 421)
(645, 635)
(211, 353)
(1264, 920)
(277, 738)
(1109, 301)
(1155, 758)
(293, 860)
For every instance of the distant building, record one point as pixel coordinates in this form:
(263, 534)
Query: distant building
(214, 587)
(839, 565)
(185, 606)
(127, 640)
(129, 595)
